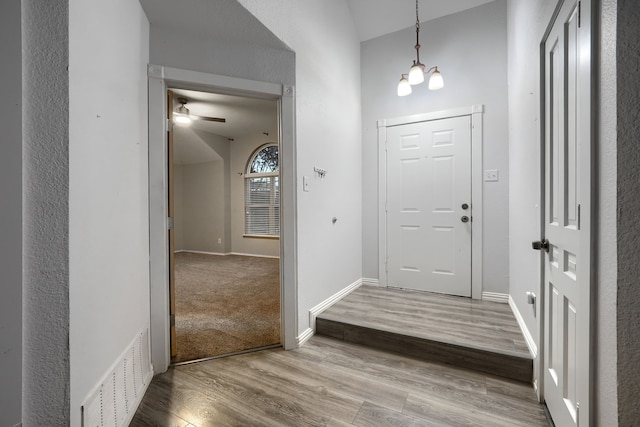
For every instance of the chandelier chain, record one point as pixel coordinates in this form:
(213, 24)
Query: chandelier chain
(417, 61)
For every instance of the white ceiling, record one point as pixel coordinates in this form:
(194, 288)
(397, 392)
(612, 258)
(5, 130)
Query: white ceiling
(375, 18)
(245, 118)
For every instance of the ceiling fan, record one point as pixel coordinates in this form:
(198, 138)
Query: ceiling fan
(182, 114)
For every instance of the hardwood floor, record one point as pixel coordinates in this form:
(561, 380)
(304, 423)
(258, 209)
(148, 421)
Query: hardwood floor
(334, 383)
(481, 335)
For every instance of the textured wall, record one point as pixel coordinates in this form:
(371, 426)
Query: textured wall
(46, 363)
(605, 383)
(628, 78)
(11, 215)
(470, 48)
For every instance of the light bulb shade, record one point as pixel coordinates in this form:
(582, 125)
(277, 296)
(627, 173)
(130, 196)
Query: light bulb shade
(416, 74)
(182, 119)
(435, 81)
(404, 87)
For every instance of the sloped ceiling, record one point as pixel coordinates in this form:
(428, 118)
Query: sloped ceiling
(375, 18)
(220, 19)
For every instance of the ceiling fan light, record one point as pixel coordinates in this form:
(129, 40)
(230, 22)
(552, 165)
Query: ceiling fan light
(435, 81)
(404, 87)
(416, 74)
(183, 119)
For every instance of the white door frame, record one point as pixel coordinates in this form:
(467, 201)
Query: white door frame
(587, 109)
(160, 78)
(476, 113)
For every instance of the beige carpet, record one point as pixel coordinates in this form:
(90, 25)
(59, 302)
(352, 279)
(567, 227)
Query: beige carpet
(225, 304)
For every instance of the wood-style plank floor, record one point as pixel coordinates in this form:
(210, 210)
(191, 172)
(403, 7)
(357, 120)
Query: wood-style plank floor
(333, 383)
(453, 320)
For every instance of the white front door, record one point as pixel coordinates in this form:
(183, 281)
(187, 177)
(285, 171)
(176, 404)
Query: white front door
(428, 213)
(567, 284)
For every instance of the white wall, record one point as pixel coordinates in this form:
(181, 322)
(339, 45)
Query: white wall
(200, 217)
(605, 381)
(182, 49)
(241, 150)
(527, 23)
(11, 215)
(328, 135)
(108, 187)
(470, 49)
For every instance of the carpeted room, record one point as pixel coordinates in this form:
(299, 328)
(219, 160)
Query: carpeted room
(226, 224)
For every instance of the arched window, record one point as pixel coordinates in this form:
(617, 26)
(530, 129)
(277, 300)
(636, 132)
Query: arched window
(262, 192)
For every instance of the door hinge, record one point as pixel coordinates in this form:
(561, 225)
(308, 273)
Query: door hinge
(172, 320)
(169, 125)
(169, 223)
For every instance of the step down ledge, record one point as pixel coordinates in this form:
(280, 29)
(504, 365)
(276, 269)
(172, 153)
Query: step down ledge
(503, 364)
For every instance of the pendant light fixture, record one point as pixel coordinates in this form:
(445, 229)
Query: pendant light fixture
(183, 116)
(417, 71)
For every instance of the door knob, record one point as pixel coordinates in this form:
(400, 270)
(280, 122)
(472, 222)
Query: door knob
(465, 206)
(464, 219)
(539, 245)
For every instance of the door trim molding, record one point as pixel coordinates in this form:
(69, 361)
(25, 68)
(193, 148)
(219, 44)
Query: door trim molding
(159, 78)
(476, 113)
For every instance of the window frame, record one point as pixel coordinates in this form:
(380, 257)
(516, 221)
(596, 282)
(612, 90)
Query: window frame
(272, 216)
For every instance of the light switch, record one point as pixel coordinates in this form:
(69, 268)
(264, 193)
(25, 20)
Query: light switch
(491, 175)
(305, 183)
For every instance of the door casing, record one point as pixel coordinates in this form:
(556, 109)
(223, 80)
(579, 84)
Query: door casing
(160, 78)
(476, 113)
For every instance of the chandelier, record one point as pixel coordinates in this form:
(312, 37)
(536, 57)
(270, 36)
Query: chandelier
(417, 71)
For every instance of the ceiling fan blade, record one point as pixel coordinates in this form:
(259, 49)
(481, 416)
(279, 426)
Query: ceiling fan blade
(209, 119)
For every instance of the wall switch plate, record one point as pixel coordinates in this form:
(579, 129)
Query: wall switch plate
(305, 183)
(491, 175)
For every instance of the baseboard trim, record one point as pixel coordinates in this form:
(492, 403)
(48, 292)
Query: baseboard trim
(225, 253)
(533, 348)
(315, 311)
(255, 255)
(304, 337)
(495, 297)
(371, 282)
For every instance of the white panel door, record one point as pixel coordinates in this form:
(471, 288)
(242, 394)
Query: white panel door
(567, 220)
(428, 208)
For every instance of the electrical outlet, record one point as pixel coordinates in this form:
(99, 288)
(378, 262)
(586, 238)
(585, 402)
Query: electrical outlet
(491, 175)
(219, 241)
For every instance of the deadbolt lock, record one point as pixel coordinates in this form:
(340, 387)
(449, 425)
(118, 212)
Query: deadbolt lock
(465, 206)
(464, 219)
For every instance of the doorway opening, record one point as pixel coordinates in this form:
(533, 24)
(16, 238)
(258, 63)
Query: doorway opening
(161, 78)
(224, 206)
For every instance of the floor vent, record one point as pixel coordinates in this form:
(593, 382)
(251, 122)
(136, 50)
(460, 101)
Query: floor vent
(114, 401)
